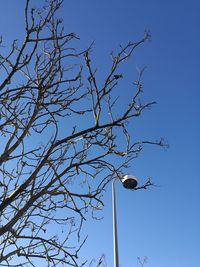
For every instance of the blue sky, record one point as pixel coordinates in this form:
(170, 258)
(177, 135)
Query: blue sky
(163, 222)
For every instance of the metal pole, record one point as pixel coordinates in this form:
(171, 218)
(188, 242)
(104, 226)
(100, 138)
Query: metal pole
(115, 240)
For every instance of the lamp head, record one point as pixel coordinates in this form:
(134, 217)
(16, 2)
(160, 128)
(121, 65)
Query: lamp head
(129, 181)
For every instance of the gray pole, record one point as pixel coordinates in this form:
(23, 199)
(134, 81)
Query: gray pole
(115, 241)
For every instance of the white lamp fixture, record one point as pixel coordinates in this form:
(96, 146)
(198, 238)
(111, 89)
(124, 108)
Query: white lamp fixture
(129, 181)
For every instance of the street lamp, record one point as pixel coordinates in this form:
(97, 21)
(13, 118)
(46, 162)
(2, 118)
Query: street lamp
(129, 182)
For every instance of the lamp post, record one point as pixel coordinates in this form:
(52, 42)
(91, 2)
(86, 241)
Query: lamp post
(129, 182)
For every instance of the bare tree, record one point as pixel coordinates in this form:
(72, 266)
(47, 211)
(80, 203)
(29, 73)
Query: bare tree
(60, 131)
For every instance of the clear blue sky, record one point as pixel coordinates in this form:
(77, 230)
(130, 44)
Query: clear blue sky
(162, 223)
